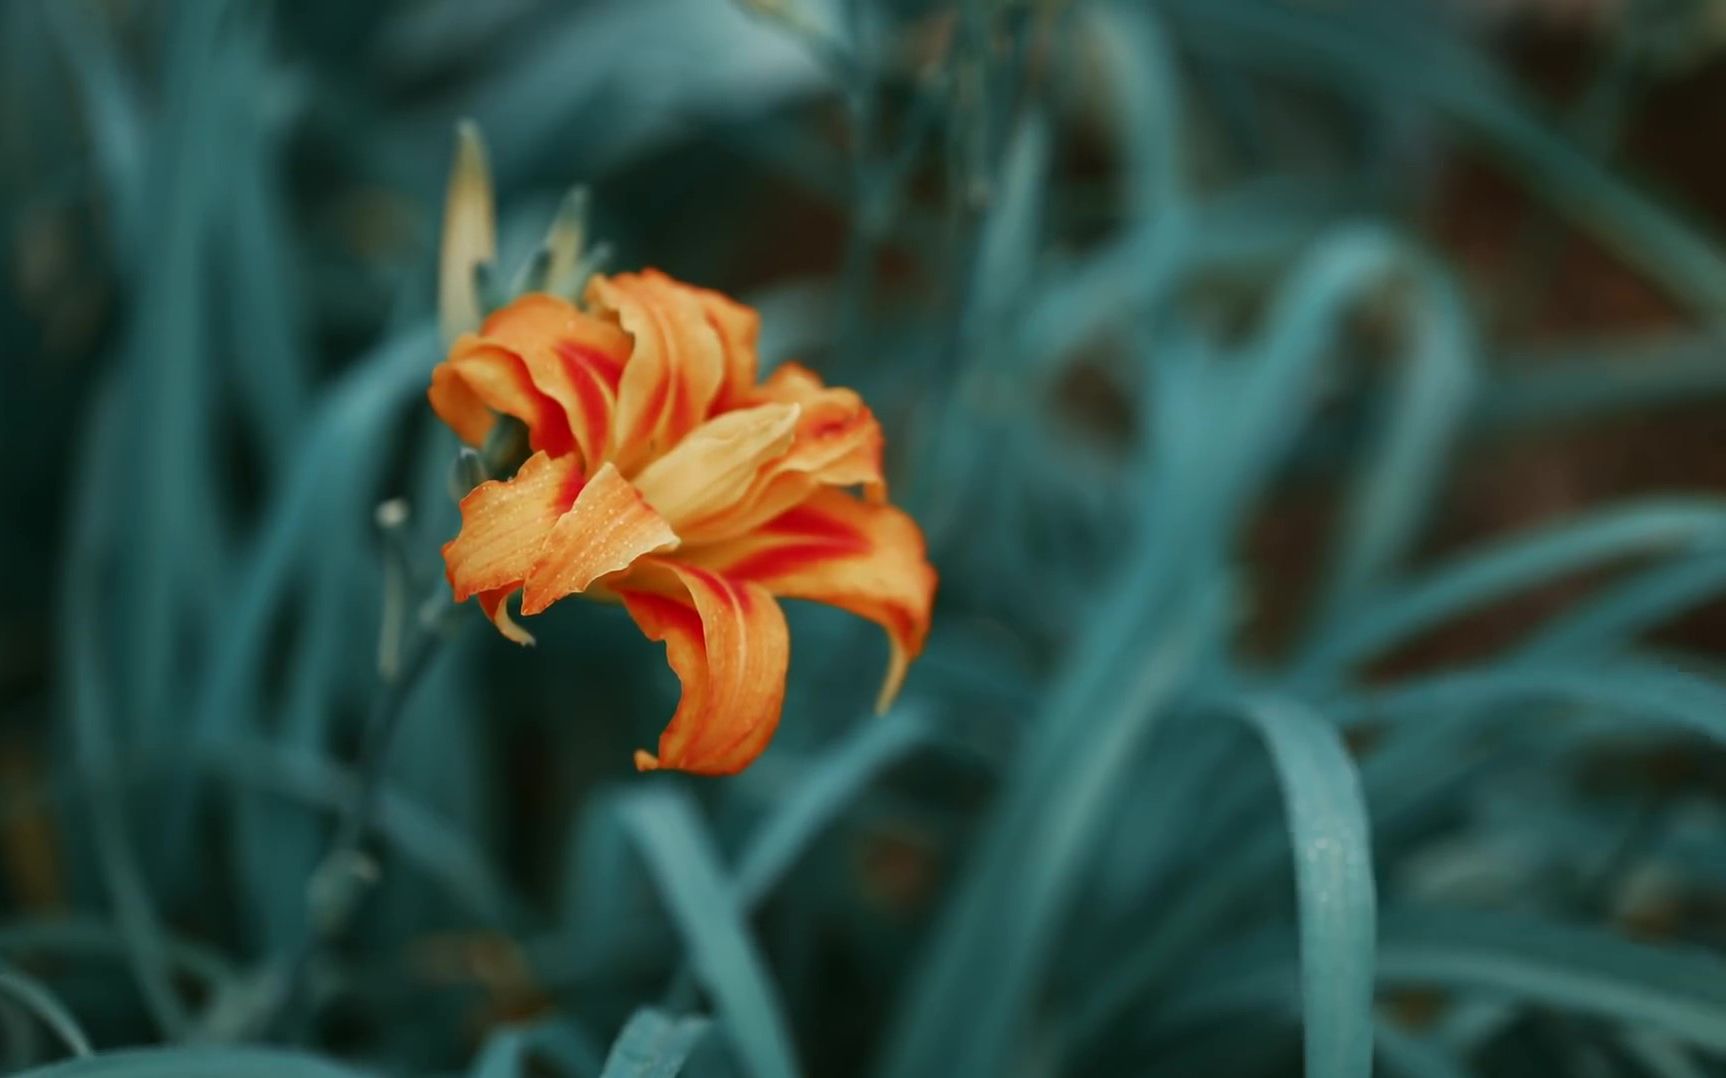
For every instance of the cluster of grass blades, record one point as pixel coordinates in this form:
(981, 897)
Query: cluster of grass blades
(1108, 300)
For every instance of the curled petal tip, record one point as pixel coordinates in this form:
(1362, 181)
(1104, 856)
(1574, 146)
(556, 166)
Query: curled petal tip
(897, 667)
(646, 761)
(496, 607)
(728, 645)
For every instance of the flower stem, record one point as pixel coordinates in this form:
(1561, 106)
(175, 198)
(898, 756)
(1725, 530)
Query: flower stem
(347, 872)
(399, 682)
(274, 998)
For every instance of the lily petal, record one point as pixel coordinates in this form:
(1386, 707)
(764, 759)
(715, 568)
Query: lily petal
(675, 367)
(739, 330)
(572, 357)
(480, 380)
(496, 607)
(718, 462)
(837, 443)
(726, 640)
(605, 530)
(838, 549)
(504, 524)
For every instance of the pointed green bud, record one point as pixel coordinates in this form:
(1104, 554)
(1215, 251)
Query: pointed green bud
(597, 258)
(566, 243)
(535, 274)
(469, 234)
(466, 472)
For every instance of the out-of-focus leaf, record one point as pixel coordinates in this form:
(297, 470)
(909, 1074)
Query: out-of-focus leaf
(1640, 689)
(574, 74)
(1575, 968)
(38, 1000)
(79, 937)
(336, 475)
(654, 1045)
(683, 863)
(1007, 247)
(348, 430)
(1661, 1055)
(1367, 52)
(1129, 275)
(825, 788)
(1425, 411)
(266, 343)
(116, 125)
(171, 536)
(1413, 1056)
(1327, 826)
(420, 836)
(601, 877)
(507, 1052)
(995, 936)
(1618, 613)
(1526, 561)
(198, 1063)
(1578, 382)
(1138, 57)
(88, 679)
(1276, 393)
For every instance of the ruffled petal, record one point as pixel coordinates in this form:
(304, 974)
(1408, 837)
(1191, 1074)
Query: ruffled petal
(572, 357)
(837, 443)
(676, 363)
(726, 641)
(739, 330)
(480, 381)
(605, 530)
(505, 522)
(718, 462)
(838, 549)
(548, 533)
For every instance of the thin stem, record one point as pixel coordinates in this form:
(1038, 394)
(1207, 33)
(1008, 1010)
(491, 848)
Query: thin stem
(346, 872)
(361, 815)
(29, 994)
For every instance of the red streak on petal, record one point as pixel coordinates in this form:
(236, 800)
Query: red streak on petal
(809, 524)
(553, 430)
(784, 560)
(708, 577)
(828, 428)
(675, 616)
(548, 427)
(653, 413)
(595, 411)
(607, 368)
(571, 488)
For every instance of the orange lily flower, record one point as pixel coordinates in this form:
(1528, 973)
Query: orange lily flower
(665, 477)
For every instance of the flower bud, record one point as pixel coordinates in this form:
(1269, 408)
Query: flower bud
(469, 235)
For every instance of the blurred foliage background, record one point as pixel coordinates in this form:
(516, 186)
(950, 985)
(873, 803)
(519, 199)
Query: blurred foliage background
(1314, 407)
